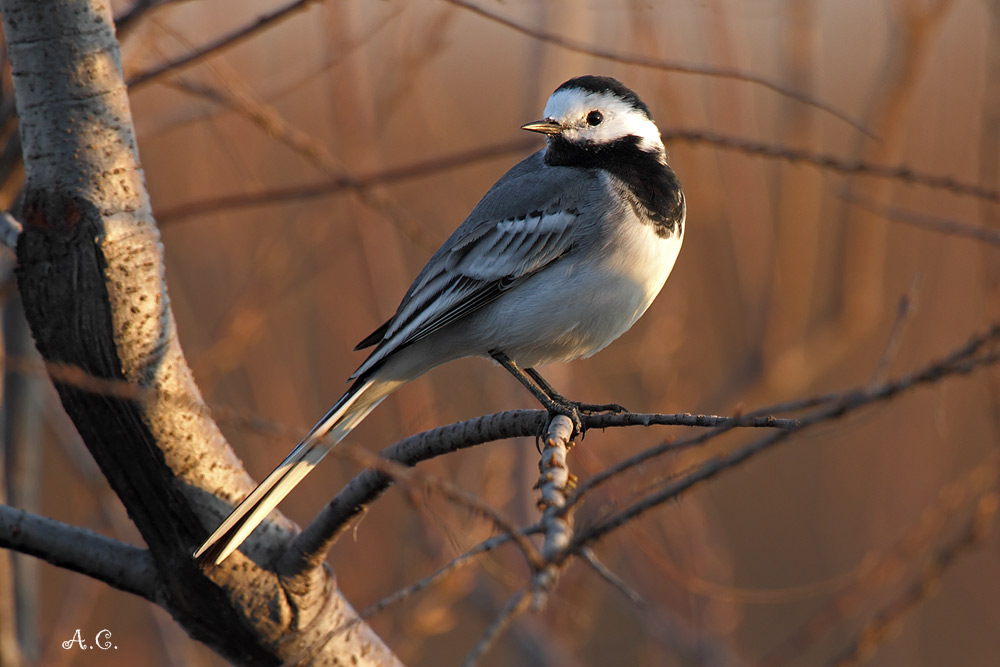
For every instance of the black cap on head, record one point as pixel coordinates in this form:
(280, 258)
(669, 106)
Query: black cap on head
(606, 84)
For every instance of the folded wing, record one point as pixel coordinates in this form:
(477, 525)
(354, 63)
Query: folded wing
(478, 264)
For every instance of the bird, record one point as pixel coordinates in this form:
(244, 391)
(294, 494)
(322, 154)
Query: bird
(558, 259)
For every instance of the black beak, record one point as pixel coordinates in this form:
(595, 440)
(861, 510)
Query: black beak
(544, 126)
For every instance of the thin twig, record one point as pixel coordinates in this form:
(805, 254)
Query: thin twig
(963, 360)
(343, 183)
(660, 64)
(238, 97)
(292, 83)
(720, 425)
(616, 582)
(833, 163)
(516, 606)
(888, 567)
(127, 21)
(408, 591)
(226, 41)
(309, 547)
(315, 540)
(423, 168)
(924, 585)
(394, 461)
(904, 312)
(926, 222)
(414, 477)
(758, 419)
(452, 565)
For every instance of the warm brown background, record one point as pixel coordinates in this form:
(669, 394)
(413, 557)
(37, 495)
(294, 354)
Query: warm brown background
(782, 291)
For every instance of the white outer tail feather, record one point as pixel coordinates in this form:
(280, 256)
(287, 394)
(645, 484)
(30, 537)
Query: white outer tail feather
(330, 430)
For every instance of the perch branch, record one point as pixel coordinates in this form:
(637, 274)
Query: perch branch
(554, 482)
(965, 359)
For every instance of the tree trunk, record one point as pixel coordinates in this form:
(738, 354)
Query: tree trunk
(90, 271)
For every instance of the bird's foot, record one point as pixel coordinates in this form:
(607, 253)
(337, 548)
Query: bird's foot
(571, 409)
(592, 408)
(584, 408)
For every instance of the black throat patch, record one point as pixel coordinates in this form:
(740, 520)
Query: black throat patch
(655, 186)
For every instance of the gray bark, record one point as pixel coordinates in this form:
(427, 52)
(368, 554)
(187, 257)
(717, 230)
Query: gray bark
(90, 272)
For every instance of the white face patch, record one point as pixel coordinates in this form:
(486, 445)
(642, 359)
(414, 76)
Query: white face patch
(571, 106)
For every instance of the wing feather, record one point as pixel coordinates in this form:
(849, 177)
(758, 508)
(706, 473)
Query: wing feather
(517, 229)
(471, 275)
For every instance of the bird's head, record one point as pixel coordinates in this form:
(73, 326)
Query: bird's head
(591, 113)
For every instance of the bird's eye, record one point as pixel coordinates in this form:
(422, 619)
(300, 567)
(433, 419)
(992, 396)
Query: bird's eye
(594, 118)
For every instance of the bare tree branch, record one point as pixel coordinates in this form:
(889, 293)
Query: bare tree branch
(554, 482)
(220, 44)
(887, 568)
(311, 545)
(295, 81)
(904, 313)
(517, 605)
(418, 447)
(435, 577)
(409, 476)
(459, 561)
(315, 540)
(127, 20)
(393, 175)
(655, 63)
(927, 581)
(122, 566)
(346, 182)
(557, 526)
(901, 173)
(929, 223)
(720, 425)
(605, 573)
(963, 360)
(90, 270)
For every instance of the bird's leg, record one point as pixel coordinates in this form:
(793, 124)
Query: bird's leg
(554, 406)
(559, 398)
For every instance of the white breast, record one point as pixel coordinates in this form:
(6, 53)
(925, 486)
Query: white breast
(582, 303)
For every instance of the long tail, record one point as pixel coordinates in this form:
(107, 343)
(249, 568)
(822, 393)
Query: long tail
(347, 413)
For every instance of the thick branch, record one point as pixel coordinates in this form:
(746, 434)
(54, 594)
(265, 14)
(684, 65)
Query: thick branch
(90, 270)
(310, 546)
(312, 543)
(120, 565)
(554, 483)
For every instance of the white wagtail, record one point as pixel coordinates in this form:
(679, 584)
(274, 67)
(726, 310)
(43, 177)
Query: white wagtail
(559, 258)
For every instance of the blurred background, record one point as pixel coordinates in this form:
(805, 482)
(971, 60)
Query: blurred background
(301, 177)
